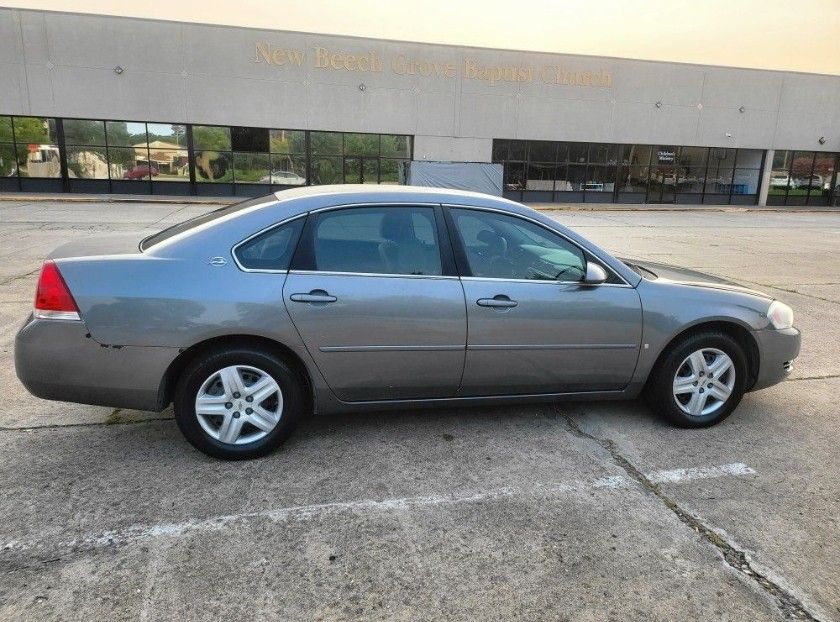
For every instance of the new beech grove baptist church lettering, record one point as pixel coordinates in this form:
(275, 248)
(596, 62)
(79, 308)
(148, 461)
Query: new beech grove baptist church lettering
(401, 64)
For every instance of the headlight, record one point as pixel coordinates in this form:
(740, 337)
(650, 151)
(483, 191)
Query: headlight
(780, 315)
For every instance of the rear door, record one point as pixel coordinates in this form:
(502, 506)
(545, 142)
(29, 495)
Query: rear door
(377, 302)
(533, 326)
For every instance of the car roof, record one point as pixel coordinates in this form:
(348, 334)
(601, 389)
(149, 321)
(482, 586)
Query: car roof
(313, 197)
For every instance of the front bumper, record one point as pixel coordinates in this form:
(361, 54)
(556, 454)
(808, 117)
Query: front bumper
(777, 350)
(58, 360)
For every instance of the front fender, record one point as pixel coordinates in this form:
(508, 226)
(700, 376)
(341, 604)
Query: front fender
(669, 309)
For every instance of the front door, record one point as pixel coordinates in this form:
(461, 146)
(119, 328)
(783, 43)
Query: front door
(533, 326)
(371, 298)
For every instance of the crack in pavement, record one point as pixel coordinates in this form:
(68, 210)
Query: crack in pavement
(106, 423)
(21, 276)
(825, 377)
(789, 605)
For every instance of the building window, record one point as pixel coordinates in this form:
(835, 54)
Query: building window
(129, 156)
(804, 178)
(604, 172)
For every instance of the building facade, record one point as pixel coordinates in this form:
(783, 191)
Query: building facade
(105, 104)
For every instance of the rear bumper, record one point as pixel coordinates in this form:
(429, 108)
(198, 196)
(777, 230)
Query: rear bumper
(777, 351)
(57, 360)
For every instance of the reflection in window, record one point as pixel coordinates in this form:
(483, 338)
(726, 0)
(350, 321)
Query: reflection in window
(213, 167)
(393, 146)
(326, 143)
(361, 144)
(327, 171)
(288, 169)
(36, 147)
(251, 168)
(287, 141)
(212, 138)
(84, 132)
(87, 162)
(125, 134)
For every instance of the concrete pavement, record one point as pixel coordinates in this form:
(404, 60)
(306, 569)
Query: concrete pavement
(570, 512)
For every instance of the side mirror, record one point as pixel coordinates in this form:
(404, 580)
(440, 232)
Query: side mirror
(595, 274)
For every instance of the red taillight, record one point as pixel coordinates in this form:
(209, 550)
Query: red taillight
(52, 298)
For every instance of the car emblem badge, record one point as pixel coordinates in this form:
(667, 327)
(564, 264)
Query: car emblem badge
(218, 261)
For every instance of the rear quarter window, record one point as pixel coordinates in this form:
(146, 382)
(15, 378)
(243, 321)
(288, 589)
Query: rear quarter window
(272, 249)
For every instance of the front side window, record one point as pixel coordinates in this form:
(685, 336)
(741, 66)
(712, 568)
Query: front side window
(379, 240)
(271, 250)
(505, 247)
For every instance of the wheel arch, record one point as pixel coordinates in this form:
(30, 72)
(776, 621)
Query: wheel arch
(184, 358)
(732, 328)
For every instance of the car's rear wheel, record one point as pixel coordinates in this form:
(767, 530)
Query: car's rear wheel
(699, 381)
(238, 403)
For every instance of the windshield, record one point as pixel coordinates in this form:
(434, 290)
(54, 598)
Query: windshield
(174, 230)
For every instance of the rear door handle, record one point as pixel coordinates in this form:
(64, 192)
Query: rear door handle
(499, 301)
(316, 295)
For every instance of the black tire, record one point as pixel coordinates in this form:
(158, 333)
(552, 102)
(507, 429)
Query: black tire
(660, 389)
(202, 367)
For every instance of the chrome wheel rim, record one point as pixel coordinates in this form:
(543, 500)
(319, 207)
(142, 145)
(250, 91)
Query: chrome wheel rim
(703, 382)
(239, 404)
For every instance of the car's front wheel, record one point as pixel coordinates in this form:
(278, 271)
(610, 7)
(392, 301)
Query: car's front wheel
(700, 380)
(238, 403)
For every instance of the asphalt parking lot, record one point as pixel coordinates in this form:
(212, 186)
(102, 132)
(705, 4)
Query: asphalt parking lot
(561, 512)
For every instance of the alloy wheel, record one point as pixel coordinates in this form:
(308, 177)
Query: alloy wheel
(703, 382)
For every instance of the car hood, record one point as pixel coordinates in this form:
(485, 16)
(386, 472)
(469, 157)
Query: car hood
(694, 278)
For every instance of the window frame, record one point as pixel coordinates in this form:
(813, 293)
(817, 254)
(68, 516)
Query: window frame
(303, 260)
(462, 262)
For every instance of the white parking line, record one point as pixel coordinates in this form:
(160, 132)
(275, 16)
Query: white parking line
(304, 512)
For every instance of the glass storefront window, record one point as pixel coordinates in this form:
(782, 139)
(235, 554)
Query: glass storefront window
(36, 147)
(288, 169)
(6, 130)
(251, 168)
(84, 132)
(361, 144)
(213, 166)
(170, 164)
(125, 133)
(542, 151)
(603, 154)
(394, 146)
(389, 170)
(326, 143)
(130, 163)
(287, 141)
(327, 170)
(541, 176)
(167, 135)
(87, 162)
(8, 164)
(211, 138)
(249, 139)
(577, 152)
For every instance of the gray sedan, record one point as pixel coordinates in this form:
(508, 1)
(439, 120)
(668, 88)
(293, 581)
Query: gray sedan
(347, 298)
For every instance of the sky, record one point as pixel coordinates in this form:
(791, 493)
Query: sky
(794, 35)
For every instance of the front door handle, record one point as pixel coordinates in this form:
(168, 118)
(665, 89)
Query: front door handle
(316, 295)
(499, 301)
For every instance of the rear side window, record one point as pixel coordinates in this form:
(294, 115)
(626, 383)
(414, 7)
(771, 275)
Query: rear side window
(271, 250)
(181, 227)
(377, 240)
